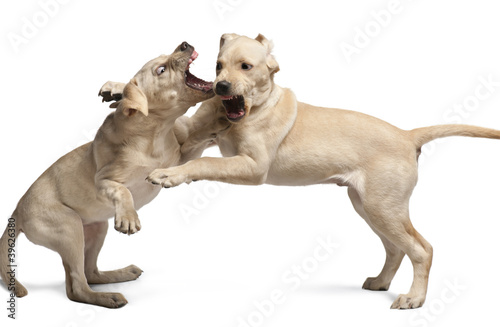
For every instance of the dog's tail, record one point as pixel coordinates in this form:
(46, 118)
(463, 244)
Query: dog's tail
(426, 134)
(8, 267)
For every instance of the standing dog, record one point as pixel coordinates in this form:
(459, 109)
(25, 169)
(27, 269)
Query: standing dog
(277, 140)
(68, 207)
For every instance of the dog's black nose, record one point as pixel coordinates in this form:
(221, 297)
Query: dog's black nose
(222, 88)
(184, 46)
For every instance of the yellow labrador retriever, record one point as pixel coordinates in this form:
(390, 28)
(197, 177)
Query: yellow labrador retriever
(68, 207)
(277, 140)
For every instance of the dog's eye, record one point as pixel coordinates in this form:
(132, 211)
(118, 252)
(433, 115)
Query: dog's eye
(160, 70)
(246, 66)
(218, 66)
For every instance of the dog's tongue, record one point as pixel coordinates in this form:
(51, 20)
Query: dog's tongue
(234, 115)
(226, 97)
(194, 55)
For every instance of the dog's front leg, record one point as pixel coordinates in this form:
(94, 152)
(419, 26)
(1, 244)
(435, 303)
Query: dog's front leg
(126, 218)
(249, 167)
(192, 142)
(240, 169)
(198, 132)
(201, 138)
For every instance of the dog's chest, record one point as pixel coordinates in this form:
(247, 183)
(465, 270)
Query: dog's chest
(227, 147)
(156, 152)
(141, 191)
(144, 163)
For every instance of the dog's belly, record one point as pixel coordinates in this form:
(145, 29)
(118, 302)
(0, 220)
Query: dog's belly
(330, 165)
(310, 173)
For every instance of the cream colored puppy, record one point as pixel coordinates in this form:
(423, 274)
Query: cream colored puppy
(68, 207)
(277, 140)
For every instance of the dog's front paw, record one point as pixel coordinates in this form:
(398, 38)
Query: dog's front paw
(406, 301)
(111, 91)
(169, 177)
(127, 223)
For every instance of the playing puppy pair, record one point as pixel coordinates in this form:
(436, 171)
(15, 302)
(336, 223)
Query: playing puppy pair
(272, 138)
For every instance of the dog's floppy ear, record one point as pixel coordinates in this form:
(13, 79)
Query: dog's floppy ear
(133, 100)
(272, 64)
(227, 37)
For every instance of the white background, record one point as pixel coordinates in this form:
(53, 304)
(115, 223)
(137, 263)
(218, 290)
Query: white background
(209, 268)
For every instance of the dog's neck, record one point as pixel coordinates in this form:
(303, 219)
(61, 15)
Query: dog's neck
(272, 95)
(156, 129)
(165, 117)
(138, 123)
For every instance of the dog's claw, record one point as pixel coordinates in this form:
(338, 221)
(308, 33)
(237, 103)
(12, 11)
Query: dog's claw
(106, 96)
(167, 178)
(128, 223)
(405, 301)
(111, 91)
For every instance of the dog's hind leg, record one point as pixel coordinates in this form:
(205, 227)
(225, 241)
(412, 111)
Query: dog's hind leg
(63, 232)
(385, 201)
(7, 242)
(94, 239)
(394, 255)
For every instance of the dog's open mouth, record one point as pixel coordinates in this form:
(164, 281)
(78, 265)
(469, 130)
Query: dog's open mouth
(235, 107)
(193, 81)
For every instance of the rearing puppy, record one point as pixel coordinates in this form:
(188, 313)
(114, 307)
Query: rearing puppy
(67, 208)
(277, 140)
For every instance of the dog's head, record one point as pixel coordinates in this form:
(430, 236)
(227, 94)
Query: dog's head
(245, 71)
(166, 83)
